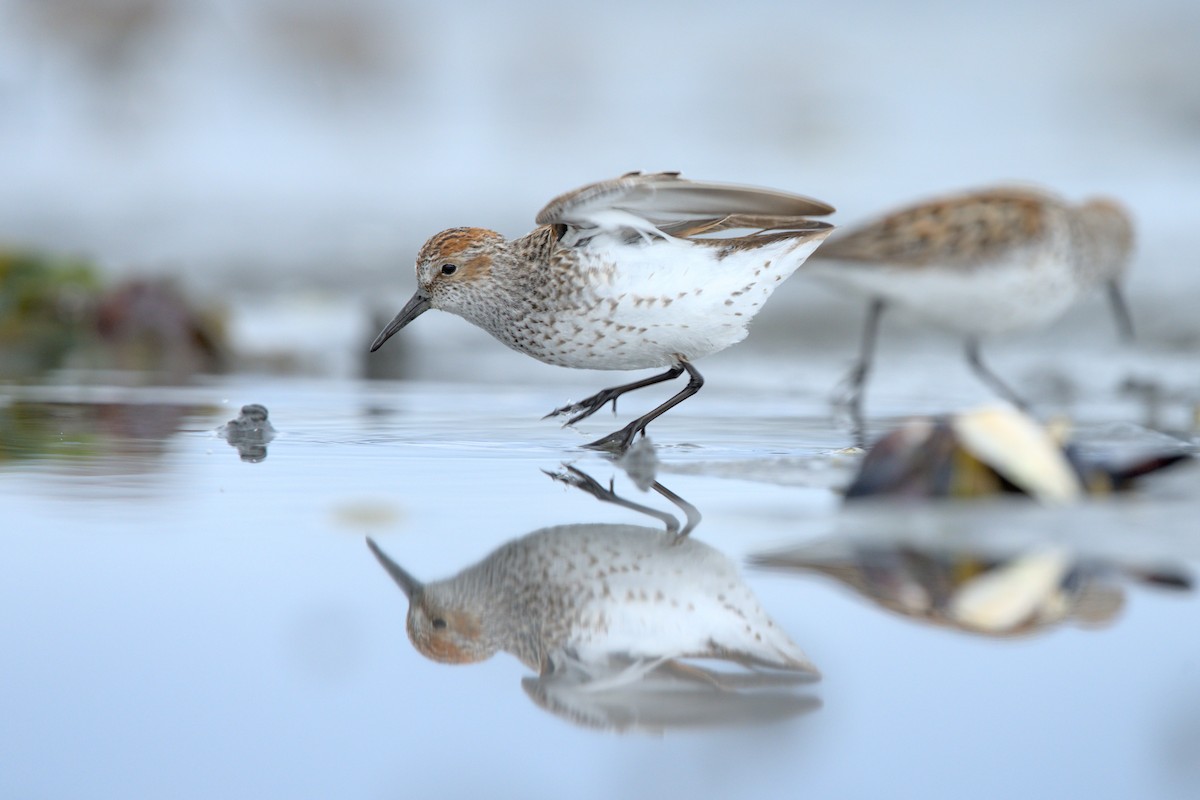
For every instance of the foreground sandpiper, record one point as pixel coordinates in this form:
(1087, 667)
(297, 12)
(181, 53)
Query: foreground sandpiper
(980, 263)
(622, 274)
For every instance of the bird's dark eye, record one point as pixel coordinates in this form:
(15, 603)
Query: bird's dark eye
(449, 269)
(438, 623)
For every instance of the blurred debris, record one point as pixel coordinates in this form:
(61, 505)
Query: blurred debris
(988, 451)
(45, 304)
(55, 312)
(147, 325)
(250, 433)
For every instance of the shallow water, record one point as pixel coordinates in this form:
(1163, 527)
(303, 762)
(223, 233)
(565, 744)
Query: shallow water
(178, 620)
(184, 618)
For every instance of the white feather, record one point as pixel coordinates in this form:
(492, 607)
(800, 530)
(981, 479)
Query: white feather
(651, 304)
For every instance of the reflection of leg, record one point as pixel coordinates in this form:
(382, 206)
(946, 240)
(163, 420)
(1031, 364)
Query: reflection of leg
(620, 440)
(990, 378)
(1116, 299)
(591, 405)
(581, 480)
(850, 392)
(689, 511)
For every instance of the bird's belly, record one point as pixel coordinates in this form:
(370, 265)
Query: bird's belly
(634, 338)
(983, 301)
(656, 311)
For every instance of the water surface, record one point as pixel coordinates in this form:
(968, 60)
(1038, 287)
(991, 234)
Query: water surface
(180, 621)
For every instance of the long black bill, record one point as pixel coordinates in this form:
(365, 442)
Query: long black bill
(414, 308)
(1120, 310)
(407, 582)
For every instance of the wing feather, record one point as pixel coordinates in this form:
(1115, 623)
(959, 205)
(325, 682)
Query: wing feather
(966, 228)
(665, 203)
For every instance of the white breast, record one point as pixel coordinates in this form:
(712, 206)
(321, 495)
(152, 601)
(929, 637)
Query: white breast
(648, 303)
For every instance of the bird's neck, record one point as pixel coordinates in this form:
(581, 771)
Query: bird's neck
(539, 244)
(1102, 241)
(497, 588)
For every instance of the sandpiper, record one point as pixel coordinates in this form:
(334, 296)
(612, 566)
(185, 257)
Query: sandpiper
(980, 263)
(622, 274)
(607, 602)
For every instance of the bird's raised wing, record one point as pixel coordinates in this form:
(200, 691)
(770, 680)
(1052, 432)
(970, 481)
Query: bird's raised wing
(663, 203)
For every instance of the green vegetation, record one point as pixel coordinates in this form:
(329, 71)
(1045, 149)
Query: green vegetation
(45, 309)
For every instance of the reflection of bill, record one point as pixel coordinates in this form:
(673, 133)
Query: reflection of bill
(1024, 592)
(604, 614)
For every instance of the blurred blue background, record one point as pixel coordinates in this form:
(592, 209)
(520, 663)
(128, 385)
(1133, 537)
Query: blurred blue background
(290, 156)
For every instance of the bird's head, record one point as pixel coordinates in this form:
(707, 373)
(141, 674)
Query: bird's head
(454, 273)
(1110, 229)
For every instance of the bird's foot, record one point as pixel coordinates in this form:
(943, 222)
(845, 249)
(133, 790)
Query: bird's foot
(586, 407)
(618, 441)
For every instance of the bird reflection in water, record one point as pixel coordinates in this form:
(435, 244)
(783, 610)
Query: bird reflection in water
(605, 614)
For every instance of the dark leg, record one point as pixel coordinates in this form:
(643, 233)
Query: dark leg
(619, 441)
(1120, 311)
(591, 405)
(989, 377)
(849, 393)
